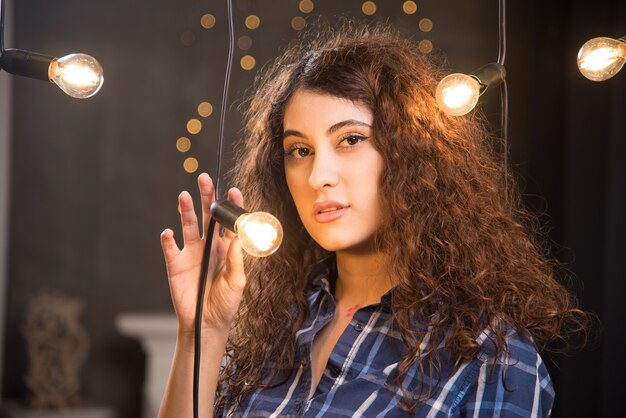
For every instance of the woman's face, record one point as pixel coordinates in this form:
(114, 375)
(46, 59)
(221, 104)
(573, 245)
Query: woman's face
(332, 169)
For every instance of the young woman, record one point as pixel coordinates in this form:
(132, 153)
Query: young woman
(408, 282)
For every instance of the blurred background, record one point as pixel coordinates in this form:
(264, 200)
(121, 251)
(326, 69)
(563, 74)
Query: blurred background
(86, 186)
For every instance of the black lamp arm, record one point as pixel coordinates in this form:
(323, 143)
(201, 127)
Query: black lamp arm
(26, 63)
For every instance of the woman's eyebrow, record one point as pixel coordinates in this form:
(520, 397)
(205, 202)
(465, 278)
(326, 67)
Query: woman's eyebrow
(348, 122)
(291, 132)
(332, 129)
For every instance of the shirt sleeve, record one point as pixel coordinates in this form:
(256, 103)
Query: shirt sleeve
(516, 386)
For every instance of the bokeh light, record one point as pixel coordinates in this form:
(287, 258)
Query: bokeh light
(207, 21)
(247, 62)
(252, 22)
(244, 42)
(306, 6)
(190, 165)
(368, 8)
(205, 109)
(298, 23)
(183, 144)
(426, 25)
(409, 7)
(194, 126)
(425, 46)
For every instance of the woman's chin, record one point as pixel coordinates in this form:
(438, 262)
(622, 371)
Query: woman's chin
(348, 247)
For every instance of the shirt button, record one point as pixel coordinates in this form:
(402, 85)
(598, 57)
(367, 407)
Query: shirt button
(358, 327)
(334, 371)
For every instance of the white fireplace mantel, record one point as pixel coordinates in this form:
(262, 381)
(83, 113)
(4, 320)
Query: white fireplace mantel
(157, 334)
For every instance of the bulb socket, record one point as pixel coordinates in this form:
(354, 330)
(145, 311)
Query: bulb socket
(226, 213)
(489, 75)
(26, 63)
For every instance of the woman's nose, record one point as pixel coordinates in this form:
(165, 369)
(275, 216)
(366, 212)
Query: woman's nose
(324, 172)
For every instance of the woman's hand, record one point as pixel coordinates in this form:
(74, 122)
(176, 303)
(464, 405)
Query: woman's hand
(226, 278)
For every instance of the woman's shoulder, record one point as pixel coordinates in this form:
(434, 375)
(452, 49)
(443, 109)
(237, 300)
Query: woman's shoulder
(509, 377)
(509, 345)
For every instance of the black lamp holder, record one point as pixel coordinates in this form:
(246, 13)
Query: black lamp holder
(226, 213)
(489, 75)
(26, 63)
(21, 62)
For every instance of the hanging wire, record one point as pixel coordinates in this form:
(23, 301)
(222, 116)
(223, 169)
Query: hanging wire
(229, 64)
(197, 344)
(206, 256)
(2, 10)
(504, 94)
(502, 31)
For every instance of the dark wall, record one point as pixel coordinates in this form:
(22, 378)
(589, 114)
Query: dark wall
(591, 192)
(569, 152)
(95, 181)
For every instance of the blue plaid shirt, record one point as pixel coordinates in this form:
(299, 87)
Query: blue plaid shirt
(359, 380)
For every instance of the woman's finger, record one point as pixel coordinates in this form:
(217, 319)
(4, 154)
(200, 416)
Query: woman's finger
(188, 217)
(207, 195)
(235, 196)
(168, 245)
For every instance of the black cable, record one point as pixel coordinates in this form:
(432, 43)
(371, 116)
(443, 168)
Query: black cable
(502, 31)
(229, 64)
(206, 256)
(197, 348)
(2, 9)
(504, 94)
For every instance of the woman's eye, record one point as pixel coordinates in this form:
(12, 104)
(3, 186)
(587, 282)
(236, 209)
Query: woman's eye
(298, 152)
(303, 152)
(352, 140)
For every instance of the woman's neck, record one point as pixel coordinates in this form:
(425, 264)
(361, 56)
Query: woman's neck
(362, 279)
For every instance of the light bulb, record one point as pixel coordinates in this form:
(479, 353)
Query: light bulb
(260, 233)
(78, 75)
(457, 94)
(601, 58)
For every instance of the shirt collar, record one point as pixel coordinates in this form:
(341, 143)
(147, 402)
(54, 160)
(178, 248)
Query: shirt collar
(323, 278)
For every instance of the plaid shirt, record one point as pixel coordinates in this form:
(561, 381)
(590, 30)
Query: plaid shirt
(360, 374)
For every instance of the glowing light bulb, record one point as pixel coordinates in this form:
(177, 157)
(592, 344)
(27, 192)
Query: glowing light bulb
(457, 94)
(601, 58)
(260, 233)
(78, 75)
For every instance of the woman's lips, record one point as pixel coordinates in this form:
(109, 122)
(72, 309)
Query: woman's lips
(329, 211)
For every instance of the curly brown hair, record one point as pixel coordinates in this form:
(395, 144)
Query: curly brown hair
(470, 254)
